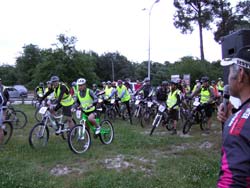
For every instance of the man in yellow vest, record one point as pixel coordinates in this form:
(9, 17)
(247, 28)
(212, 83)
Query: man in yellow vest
(220, 86)
(39, 90)
(206, 98)
(173, 101)
(85, 98)
(124, 96)
(63, 99)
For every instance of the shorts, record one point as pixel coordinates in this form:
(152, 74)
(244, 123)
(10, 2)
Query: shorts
(66, 111)
(174, 114)
(208, 108)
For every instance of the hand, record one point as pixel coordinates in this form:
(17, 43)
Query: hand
(221, 115)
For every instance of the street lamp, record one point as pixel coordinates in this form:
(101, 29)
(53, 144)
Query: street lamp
(149, 21)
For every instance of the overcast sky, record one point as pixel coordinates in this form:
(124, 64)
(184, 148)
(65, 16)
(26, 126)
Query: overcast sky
(101, 26)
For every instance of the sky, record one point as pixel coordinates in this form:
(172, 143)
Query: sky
(101, 26)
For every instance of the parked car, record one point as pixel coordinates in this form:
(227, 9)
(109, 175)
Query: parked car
(23, 91)
(13, 93)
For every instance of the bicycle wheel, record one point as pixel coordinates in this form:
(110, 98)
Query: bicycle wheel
(7, 131)
(18, 119)
(38, 116)
(146, 119)
(137, 115)
(79, 139)
(203, 122)
(65, 125)
(155, 124)
(107, 132)
(39, 136)
(186, 127)
(110, 114)
(170, 124)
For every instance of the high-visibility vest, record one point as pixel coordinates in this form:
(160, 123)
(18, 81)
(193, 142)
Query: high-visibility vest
(220, 85)
(205, 95)
(126, 96)
(172, 99)
(86, 101)
(67, 99)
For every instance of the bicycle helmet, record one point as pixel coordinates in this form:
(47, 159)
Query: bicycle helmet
(41, 84)
(205, 79)
(54, 79)
(73, 84)
(164, 83)
(108, 82)
(119, 82)
(173, 82)
(94, 85)
(48, 82)
(81, 81)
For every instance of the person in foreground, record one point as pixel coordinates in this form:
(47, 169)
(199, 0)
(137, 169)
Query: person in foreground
(235, 159)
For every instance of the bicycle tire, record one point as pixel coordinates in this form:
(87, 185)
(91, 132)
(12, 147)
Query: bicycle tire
(186, 127)
(146, 119)
(35, 139)
(203, 122)
(155, 122)
(110, 114)
(170, 124)
(7, 131)
(107, 132)
(18, 119)
(136, 118)
(78, 141)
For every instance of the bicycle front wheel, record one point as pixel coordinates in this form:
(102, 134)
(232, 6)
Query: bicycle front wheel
(79, 139)
(39, 136)
(155, 123)
(18, 119)
(186, 127)
(107, 132)
(7, 131)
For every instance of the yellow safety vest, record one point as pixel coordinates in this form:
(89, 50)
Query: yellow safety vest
(205, 95)
(126, 96)
(220, 85)
(172, 99)
(108, 91)
(86, 101)
(67, 99)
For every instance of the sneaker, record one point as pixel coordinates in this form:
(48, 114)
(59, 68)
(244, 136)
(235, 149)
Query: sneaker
(174, 132)
(58, 131)
(98, 129)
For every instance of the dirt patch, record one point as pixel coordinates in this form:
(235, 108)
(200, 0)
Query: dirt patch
(135, 164)
(61, 170)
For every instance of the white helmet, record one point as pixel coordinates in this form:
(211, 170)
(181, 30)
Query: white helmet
(81, 81)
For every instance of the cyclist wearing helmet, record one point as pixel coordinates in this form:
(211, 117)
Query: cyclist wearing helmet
(206, 99)
(146, 88)
(162, 92)
(86, 98)
(109, 91)
(73, 89)
(39, 90)
(49, 86)
(63, 99)
(124, 96)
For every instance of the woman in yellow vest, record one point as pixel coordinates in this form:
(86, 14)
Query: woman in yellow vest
(173, 101)
(124, 96)
(63, 99)
(85, 98)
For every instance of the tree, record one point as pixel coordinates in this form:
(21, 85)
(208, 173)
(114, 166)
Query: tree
(230, 19)
(191, 12)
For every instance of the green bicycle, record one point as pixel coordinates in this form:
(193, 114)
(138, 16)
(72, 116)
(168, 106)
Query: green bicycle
(79, 138)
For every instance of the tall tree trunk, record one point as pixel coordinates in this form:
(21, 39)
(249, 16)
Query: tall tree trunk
(201, 42)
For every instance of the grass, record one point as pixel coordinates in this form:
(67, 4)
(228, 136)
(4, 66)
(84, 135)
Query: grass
(133, 160)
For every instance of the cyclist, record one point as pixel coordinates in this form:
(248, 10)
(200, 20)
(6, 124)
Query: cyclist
(220, 85)
(124, 96)
(109, 91)
(173, 102)
(197, 84)
(49, 86)
(206, 99)
(95, 89)
(39, 91)
(162, 92)
(73, 89)
(146, 88)
(63, 99)
(86, 98)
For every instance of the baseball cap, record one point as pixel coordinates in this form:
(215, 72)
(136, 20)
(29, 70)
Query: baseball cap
(241, 58)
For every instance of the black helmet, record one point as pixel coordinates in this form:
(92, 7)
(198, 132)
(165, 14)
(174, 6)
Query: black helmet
(164, 83)
(173, 82)
(108, 82)
(205, 79)
(54, 79)
(41, 84)
(94, 85)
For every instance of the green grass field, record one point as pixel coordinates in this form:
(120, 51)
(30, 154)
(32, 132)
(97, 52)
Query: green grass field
(133, 160)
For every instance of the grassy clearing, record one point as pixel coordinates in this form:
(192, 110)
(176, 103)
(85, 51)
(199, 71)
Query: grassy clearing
(133, 160)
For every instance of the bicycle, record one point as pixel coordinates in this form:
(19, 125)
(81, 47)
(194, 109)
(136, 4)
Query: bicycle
(196, 116)
(162, 116)
(79, 138)
(17, 117)
(39, 134)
